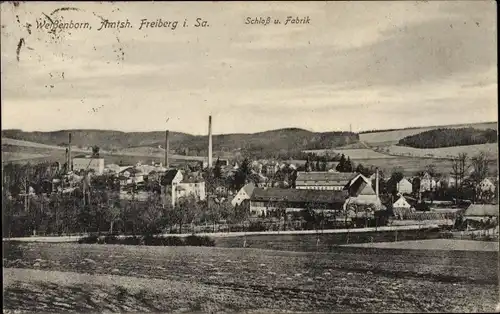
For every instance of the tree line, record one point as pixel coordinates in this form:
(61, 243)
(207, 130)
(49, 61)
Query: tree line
(450, 137)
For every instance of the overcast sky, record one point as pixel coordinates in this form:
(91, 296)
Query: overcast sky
(369, 64)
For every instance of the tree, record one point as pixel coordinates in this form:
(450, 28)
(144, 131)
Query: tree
(151, 216)
(324, 165)
(95, 151)
(349, 167)
(459, 168)
(242, 174)
(188, 210)
(431, 170)
(217, 170)
(341, 166)
(318, 165)
(307, 166)
(113, 215)
(480, 164)
(392, 184)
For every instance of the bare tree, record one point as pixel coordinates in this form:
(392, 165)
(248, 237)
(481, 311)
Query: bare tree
(459, 168)
(480, 164)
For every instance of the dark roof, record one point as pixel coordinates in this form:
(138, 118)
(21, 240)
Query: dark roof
(337, 178)
(298, 195)
(169, 176)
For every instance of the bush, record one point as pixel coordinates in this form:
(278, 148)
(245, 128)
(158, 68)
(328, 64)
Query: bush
(111, 239)
(194, 240)
(172, 241)
(92, 239)
(130, 241)
(257, 226)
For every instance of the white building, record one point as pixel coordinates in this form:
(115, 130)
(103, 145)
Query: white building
(427, 183)
(89, 163)
(404, 186)
(401, 203)
(174, 185)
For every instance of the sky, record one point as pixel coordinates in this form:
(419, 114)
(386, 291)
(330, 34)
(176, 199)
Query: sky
(359, 65)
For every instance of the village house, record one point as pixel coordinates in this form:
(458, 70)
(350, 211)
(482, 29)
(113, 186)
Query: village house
(401, 203)
(361, 193)
(427, 183)
(130, 175)
(112, 168)
(267, 200)
(89, 163)
(335, 181)
(404, 186)
(449, 181)
(477, 213)
(174, 184)
(243, 194)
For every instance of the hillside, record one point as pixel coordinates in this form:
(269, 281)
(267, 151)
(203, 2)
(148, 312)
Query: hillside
(450, 137)
(390, 137)
(116, 141)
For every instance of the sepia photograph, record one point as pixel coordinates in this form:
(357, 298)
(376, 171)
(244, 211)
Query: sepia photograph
(249, 157)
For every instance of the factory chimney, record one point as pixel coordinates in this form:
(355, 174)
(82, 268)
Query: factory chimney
(70, 163)
(209, 141)
(376, 183)
(167, 149)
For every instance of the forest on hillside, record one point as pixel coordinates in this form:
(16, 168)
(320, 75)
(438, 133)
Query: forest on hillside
(450, 137)
(263, 144)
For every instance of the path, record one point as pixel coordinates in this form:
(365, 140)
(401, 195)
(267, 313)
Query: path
(241, 234)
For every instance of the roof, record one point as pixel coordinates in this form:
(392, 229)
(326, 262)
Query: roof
(482, 210)
(248, 188)
(298, 195)
(341, 178)
(367, 190)
(169, 176)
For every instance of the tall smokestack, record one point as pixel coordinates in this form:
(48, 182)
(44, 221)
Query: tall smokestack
(167, 149)
(376, 183)
(210, 141)
(70, 164)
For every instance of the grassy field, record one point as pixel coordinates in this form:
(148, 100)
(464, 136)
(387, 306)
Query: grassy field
(353, 153)
(411, 165)
(394, 136)
(490, 149)
(79, 277)
(438, 244)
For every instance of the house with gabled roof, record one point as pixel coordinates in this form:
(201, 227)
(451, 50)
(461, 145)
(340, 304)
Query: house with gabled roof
(175, 184)
(243, 194)
(404, 186)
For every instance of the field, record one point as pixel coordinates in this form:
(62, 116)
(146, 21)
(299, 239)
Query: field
(19, 151)
(79, 277)
(411, 165)
(353, 153)
(490, 149)
(395, 136)
(441, 244)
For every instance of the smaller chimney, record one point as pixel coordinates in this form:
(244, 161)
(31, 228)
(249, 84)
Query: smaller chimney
(209, 141)
(167, 148)
(70, 162)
